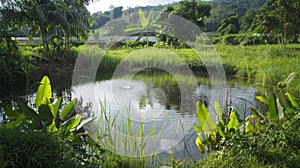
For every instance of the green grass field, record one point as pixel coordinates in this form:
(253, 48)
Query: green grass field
(262, 66)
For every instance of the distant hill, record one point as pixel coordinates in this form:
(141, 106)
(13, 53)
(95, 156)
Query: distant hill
(221, 9)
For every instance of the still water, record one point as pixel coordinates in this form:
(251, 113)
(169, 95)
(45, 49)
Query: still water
(152, 112)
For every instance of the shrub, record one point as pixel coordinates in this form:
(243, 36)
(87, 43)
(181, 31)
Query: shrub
(29, 148)
(272, 140)
(11, 62)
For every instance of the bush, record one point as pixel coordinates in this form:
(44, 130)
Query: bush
(11, 62)
(64, 55)
(29, 148)
(269, 142)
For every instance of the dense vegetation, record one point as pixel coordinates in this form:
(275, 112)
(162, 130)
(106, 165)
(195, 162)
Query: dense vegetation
(256, 40)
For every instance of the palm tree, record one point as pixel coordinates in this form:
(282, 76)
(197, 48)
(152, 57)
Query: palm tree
(146, 23)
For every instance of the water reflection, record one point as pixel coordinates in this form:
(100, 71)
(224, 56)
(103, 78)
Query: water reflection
(152, 100)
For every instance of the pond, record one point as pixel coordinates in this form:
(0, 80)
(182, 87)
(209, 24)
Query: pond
(150, 112)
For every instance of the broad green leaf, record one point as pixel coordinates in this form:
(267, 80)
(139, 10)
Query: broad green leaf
(44, 91)
(52, 127)
(72, 122)
(279, 109)
(292, 100)
(28, 112)
(68, 110)
(290, 77)
(48, 103)
(233, 121)
(13, 124)
(249, 129)
(144, 21)
(214, 135)
(13, 114)
(82, 123)
(199, 145)
(206, 122)
(258, 124)
(221, 132)
(45, 113)
(262, 99)
(150, 16)
(56, 107)
(219, 112)
(273, 108)
(197, 129)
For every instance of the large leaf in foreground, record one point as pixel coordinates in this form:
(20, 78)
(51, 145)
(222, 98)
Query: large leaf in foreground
(13, 114)
(233, 122)
(293, 101)
(68, 110)
(206, 122)
(72, 123)
(44, 91)
(275, 109)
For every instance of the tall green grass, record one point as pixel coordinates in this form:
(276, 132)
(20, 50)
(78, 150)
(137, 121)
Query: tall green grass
(118, 133)
(263, 65)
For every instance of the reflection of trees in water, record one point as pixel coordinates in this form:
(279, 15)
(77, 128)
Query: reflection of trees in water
(167, 83)
(84, 109)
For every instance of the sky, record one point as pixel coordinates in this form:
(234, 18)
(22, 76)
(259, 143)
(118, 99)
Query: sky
(103, 5)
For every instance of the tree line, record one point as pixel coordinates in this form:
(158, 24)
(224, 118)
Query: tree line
(265, 17)
(280, 18)
(65, 20)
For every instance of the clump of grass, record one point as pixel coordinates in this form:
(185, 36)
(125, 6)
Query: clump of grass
(264, 65)
(28, 149)
(120, 133)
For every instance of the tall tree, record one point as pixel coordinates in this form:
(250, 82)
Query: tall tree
(279, 17)
(223, 9)
(68, 18)
(247, 20)
(194, 11)
(229, 26)
(11, 17)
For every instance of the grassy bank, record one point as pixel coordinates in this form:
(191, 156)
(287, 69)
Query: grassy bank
(264, 65)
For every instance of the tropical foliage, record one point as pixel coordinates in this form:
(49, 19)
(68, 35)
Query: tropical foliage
(51, 19)
(281, 17)
(201, 11)
(45, 123)
(262, 139)
(265, 138)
